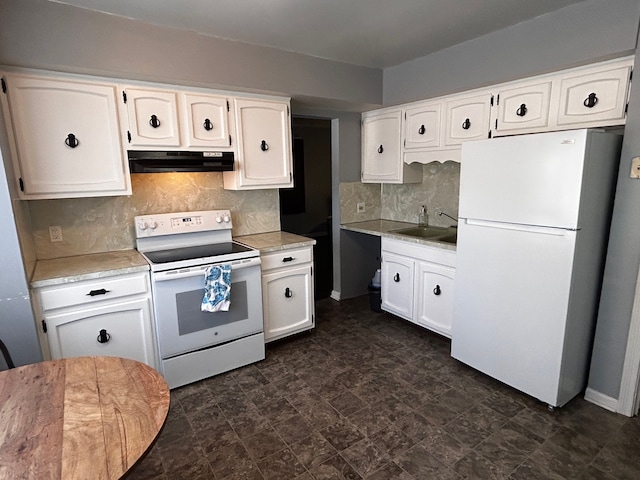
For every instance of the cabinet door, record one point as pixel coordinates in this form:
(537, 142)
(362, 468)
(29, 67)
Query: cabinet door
(264, 143)
(288, 302)
(127, 333)
(206, 121)
(153, 118)
(468, 118)
(597, 97)
(434, 299)
(422, 126)
(397, 285)
(381, 140)
(66, 138)
(523, 108)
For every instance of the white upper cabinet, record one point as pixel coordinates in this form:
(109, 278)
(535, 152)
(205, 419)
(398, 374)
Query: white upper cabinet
(64, 136)
(206, 121)
(467, 118)
(594, 96)
(422, 127)
(434, 129)
(381, 150)
(522, 107)
(153, 118)
(264, 145)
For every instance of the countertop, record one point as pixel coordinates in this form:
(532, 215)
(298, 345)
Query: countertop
(58, 271)
(274, 241)
(387, 229)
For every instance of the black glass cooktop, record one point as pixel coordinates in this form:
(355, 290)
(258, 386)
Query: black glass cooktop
(191, 253)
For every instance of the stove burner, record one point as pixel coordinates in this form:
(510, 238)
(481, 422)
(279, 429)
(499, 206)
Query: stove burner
(193, 253)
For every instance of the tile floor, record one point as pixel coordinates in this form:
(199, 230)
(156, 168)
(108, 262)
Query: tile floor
(370, 396)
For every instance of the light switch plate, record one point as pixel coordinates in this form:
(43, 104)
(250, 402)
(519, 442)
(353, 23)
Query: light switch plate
(635, 167)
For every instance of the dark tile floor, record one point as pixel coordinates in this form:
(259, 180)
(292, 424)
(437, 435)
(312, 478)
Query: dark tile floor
(367, 395)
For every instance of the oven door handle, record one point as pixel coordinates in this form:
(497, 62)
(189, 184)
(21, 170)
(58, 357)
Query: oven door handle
(199, 271)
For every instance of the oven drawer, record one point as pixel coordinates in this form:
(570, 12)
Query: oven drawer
(91, 291)
(286, 258)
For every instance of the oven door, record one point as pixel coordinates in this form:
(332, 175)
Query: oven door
(183, 327)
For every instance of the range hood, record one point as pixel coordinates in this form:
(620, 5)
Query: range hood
(141, 161)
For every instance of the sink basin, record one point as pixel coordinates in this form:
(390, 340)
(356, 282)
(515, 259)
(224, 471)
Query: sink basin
(438, 234)
(423, 232)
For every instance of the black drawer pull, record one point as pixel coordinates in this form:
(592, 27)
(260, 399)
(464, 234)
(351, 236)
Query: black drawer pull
(288, 259)
(93, 293)
(207, 124)
(288, 293)
(437, 291)
(103, 336)
(591, 100)
(71, 141)
(154, 122)
(522, 111)
(396, 277)
(421, 130)
(380, 149)
(466, 125)
(264, 146)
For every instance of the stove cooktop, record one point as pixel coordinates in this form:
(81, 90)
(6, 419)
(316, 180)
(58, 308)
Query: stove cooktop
(196, 252)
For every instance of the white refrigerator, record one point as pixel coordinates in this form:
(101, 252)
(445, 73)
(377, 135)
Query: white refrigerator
(534, 222)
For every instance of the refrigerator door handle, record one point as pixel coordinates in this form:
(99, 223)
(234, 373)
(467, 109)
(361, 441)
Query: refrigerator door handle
(518, 227)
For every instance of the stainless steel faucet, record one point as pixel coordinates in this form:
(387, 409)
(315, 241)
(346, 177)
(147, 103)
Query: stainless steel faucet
(440, 213)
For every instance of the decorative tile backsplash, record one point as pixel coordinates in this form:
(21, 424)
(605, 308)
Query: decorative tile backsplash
(101, 224)
(438, 192)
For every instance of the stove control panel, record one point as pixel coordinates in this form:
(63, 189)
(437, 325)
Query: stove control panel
(182, 222)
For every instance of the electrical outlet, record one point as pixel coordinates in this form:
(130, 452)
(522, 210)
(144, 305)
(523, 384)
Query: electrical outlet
(635, 167)
(360, 207)
(55, 233)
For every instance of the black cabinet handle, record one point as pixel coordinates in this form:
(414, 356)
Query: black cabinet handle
(437, 291)
(466, 125)
(522, 111)
(380, 149)
(207, 124)
(421, 130)
(154, 122)
(288, 293)
(103, 336)
(101, 291)
(396, 277)
(287, 259)
(591, 100)
(264, 146)
(71, 141)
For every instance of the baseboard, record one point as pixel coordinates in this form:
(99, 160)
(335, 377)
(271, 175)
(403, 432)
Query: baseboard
(335, 295)
(601, 400)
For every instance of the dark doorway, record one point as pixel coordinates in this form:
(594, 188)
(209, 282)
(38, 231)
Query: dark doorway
(305, 209)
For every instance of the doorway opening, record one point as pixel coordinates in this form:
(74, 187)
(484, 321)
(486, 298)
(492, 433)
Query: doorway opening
(305, 209)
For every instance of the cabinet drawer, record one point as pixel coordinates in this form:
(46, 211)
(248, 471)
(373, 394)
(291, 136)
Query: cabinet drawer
(286, 258)
(86, 292)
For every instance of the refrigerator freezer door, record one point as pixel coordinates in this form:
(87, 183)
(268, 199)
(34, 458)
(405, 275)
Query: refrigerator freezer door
(527, 179)
(511, 303)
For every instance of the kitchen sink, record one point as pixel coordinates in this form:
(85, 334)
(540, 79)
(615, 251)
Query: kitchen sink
(440, 234)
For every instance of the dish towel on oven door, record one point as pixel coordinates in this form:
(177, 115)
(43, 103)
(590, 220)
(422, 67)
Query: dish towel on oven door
(217, 289)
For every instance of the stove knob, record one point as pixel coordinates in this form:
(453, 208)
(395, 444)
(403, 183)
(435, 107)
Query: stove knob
(218, 219)
(143, 226)
(153, 225)
(226, 219)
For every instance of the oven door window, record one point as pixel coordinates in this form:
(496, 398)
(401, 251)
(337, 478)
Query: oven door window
(183, 327)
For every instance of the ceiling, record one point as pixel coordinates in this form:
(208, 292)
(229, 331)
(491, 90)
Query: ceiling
(371, 33)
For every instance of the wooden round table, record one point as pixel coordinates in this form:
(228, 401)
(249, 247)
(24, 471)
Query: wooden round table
(79, 418)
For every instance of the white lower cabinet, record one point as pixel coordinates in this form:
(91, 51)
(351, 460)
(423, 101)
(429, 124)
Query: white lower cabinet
(417, 283)
(287, 292)
(109, 316)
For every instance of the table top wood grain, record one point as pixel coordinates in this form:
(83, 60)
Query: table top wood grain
(79, 418)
